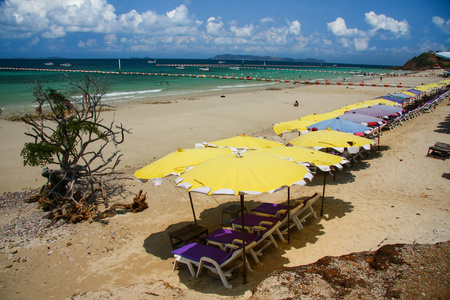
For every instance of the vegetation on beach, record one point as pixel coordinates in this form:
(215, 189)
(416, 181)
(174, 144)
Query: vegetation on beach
(73, 136)
(424, 61)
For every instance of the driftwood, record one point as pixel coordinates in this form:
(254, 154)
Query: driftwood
(138, 204)
(81, 209)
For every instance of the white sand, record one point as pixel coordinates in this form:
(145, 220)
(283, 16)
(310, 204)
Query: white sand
(396, 196)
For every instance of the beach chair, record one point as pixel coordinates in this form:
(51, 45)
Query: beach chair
(254, 222)
(439, 149)
(218, 261)
(280, 223)
(276, 210)
(255, 244)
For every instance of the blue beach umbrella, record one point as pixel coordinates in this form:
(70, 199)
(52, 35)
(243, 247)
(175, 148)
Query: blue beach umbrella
(341, 125)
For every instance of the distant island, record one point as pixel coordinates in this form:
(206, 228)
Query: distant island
(264, 58)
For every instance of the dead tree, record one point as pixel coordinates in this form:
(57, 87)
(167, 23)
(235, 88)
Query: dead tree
(70, 139)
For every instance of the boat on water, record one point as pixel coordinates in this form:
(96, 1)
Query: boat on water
(235, 68)
(204, 69)
(66, 65)
(181, 68)
(221, 62)
(49, 64)
(152, 61)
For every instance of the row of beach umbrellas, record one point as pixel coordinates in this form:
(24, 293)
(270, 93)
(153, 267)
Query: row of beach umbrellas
(369, 112)
(247, 165)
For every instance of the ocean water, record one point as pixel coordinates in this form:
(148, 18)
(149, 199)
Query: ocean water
(16, 96)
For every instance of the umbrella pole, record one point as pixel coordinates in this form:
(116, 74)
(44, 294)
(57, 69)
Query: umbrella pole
(323, 192)
(289, 215)
(244, 273)
(193, 212)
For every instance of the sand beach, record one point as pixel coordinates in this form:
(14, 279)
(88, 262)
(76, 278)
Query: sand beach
(397, 195)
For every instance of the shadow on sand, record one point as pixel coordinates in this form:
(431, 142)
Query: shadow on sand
(444, 126)
(158, 244)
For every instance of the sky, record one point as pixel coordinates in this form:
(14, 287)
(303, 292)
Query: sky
(361, 32)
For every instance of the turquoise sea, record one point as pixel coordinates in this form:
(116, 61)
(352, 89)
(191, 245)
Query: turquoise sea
(172, 82)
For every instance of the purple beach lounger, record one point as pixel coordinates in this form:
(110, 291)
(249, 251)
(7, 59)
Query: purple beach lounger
(208, 257)
(223, 236)
(255, 222)
(279, 210)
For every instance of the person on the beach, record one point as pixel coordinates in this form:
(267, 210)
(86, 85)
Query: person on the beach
(39, 110)
(296, 103)
(381, 78)
(1, 111)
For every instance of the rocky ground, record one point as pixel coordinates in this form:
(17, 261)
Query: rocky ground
(392, 272)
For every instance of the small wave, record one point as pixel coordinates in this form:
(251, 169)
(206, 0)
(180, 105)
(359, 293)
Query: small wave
(242, 85)
(121, 94)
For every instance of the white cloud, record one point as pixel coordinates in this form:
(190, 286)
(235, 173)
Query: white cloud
(267, 20)
(295, 27)
(54, 31)
(245, 31)
(339, 28)
(110, 39)
(441, 24)
(398, 28)
(361, 44)
(214, 26)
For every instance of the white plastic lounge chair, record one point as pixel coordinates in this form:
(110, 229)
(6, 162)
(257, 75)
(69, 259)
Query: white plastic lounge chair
(255, 244)
(253, 221)
(274, 210)
(216, 260)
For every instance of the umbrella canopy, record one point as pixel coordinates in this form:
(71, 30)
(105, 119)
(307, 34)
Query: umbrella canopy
(398, 101)
(379, 101)
(361, 118)
(320, 117)
(286, 127)
(323, 161)
(332, 139)
(176, 162)
(341, 125)
(247, 173)
(244, 142)
(302, 155)
(378, 110)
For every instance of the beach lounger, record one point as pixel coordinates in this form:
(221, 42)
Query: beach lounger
(255, 244)
(439, 149)
(218, 261)
(277, 210)
(252, 222)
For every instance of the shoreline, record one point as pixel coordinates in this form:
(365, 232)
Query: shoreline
(189, 122)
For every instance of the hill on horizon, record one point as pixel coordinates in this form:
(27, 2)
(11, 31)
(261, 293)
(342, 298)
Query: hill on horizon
(264, 58)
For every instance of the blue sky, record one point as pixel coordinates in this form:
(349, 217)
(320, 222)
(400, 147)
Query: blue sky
(366, 32)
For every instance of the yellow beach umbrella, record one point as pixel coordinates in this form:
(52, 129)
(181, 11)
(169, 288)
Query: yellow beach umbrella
(286, 127)
(248, 173)
(324, 161)
(332, 139)
(320, 117)
(244, 142)
(176, 162)
(381, 101)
